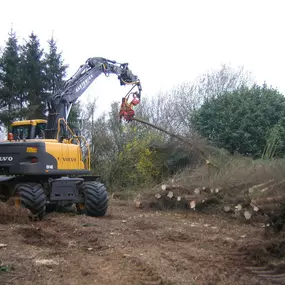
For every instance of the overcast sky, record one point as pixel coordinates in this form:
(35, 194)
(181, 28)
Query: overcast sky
(164, 42)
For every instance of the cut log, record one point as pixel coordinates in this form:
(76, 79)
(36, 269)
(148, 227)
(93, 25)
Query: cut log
(266, 187)
(271, 207)
(178, 198)
(163, 187)
(238, 199)
(238, 207)
(170, 194)
(138, 204)
(202, 202)
(157, 196)
(254, 207)
(267, 200)
(247, 215)
(192, 204)
(170, 187)
(227, 208)
(197, 191)
(260, 186)
(141, 204)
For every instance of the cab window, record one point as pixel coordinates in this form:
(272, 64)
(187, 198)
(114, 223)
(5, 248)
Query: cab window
(40, 130)
(21, 132)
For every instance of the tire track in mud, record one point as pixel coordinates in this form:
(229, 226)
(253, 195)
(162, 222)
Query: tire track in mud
(183, 249)
(144, 274)
(65, 239)
(255, 260)
(265, 260)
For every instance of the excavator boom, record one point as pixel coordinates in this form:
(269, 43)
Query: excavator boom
(60, 103)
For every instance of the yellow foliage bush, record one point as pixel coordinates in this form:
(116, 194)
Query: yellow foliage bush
(137, 164)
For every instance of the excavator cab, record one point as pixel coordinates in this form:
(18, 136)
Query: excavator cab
(28, 129)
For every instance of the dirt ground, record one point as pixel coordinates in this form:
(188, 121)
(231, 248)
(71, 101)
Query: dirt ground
(130, 247)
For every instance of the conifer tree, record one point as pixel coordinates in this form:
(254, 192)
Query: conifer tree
(55, 69)
(10, 82)
(33, 77)
(55, 72)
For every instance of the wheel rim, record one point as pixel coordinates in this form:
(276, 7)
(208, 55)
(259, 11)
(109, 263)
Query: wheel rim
(17, 202)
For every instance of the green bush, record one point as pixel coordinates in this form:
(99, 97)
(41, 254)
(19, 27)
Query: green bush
(241, 121)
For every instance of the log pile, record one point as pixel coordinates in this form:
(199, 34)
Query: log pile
(245, 202)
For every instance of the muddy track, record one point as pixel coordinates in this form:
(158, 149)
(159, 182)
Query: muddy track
(129, 246)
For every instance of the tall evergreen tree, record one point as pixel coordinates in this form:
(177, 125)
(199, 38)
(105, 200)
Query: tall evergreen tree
(55, 72)
(34, 80)
(10, 83)
(55, 69)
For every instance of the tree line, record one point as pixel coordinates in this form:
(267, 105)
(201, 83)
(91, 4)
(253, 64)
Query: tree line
(224, 108)
(28, 74)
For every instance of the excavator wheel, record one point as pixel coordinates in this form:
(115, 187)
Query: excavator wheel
(32, 197)
(96, 199)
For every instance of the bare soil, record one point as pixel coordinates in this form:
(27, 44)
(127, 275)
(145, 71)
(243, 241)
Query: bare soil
(131, 246)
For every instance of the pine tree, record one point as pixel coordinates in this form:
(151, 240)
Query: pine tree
(55, 69)
(10, 83)
(33, 76)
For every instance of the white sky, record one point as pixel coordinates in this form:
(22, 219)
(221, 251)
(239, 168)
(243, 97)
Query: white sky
(164, 42)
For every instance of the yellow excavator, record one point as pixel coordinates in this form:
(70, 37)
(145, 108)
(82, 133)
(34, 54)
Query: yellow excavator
(43, 163)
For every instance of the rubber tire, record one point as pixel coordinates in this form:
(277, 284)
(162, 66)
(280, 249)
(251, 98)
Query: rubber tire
(96, 199)
(33, 198)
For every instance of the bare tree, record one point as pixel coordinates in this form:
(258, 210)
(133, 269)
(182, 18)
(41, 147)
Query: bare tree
(184, 99)
(226, 78)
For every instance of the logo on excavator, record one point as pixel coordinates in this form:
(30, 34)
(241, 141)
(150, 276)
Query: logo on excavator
(6, 158)
(70, 159)
(83, 83)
